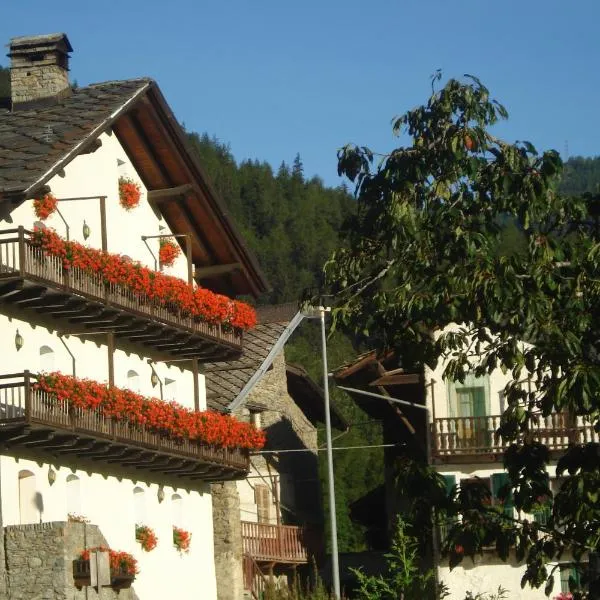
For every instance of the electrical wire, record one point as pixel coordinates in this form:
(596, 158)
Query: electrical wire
(322, 449)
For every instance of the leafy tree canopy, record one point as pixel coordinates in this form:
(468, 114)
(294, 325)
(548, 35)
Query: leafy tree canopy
(423, 253)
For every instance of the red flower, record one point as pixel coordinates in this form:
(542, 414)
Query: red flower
(168, 419)
(164, 290)
(122, 562)
(45, 206)
(459, 549)
(181, 539)
(168, 253)
(129, 193)
(146, 536)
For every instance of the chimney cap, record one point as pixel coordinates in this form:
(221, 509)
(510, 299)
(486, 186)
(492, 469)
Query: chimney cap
(50, 41)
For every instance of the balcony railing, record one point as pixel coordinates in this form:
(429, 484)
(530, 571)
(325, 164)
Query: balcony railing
(33, 423)
(274, 543)
(476, 436)
(33, 281)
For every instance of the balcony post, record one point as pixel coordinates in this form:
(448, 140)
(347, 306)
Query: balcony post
(195, 375)
(110, 345)
(103, 223)
(27, 392)
(21, 250)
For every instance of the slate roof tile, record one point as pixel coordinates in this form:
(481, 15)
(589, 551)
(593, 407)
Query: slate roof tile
(32, 140)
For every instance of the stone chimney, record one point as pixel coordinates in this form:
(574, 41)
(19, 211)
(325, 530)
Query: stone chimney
(39, 68)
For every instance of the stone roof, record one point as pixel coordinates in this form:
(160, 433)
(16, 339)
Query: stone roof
(225, 380)
(36, 140)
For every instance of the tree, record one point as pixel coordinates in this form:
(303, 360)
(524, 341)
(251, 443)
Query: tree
(424, 252)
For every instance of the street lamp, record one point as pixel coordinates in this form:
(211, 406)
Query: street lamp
(319, 312)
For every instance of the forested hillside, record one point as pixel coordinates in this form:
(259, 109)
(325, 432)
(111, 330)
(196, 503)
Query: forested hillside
(581, 175)
(293, 224)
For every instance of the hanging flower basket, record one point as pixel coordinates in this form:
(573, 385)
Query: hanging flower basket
(146, 537)
(123, 568)
(129, 193)
(181, 539)
(45, 206)
(168, 253)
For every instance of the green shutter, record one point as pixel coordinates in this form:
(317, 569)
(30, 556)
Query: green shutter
(450, 481)
(499, 480)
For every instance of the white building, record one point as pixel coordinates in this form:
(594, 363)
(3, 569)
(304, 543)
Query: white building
(77, 144)
(461, 444)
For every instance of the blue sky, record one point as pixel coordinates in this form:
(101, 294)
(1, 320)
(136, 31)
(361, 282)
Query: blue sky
(274, 77)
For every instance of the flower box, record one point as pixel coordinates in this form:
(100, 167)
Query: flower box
(123, 568)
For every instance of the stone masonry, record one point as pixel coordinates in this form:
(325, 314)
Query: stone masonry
(227, 540)
(39, 562)
(286, 427)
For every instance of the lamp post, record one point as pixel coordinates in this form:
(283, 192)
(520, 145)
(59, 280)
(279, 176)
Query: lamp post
(319, 312)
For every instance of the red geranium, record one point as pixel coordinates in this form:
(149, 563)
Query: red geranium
(181, 539)
(146, 537)
(164, 418)
(129, 193)
(165, 290)
(121, 562)
(45, 206)
(168, 253)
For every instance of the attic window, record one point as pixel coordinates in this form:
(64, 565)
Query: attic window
(255, 418)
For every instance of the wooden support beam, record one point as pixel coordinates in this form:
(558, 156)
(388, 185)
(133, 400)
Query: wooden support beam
(215, 270)
(92, 147)
(169, 193)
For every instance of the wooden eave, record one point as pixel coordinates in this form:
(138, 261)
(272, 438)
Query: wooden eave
(158, 149)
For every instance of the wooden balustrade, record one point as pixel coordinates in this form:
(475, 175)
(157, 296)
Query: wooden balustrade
(274, 543)
(29, 416)
(468, 436)
(78, 296)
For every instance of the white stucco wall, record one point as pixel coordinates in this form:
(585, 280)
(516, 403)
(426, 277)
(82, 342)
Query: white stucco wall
(107, 501)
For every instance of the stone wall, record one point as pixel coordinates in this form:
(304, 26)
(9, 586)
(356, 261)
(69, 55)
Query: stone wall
(228, 541)
(39, 562)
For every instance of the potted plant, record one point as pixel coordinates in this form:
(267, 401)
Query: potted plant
(146, 537)
(129, 193)
(181, 539)
(123, 568)
(168, 253)
(43, 207)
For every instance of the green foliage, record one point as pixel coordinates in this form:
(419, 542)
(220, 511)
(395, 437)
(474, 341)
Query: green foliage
(580, 175)
(297, 591)
(405, 578)
(4, 82)
(292, 223)
(425, 250)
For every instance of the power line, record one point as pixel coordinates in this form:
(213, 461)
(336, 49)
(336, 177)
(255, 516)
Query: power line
(323, 449)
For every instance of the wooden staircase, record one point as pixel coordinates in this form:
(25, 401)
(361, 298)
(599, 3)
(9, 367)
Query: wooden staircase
(255, 580)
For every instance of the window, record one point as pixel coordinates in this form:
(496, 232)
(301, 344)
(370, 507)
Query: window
(46, 359)
(570, 577)
(28, 506)
(498, 491)
(470, 402)
(543, 508)
(133, 381)
(255, 418)
(170, 389)
(177, 507)
(73, 495)
(139, 506)
(450, 481)
(262, 498)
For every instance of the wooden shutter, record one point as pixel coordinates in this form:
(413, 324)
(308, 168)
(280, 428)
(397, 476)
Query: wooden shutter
(262, 499)
(450, 481)
(543, 514)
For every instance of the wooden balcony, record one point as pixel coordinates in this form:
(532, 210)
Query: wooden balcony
(474, 439)
(34, 425)
(74, 301)
(274, 543)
